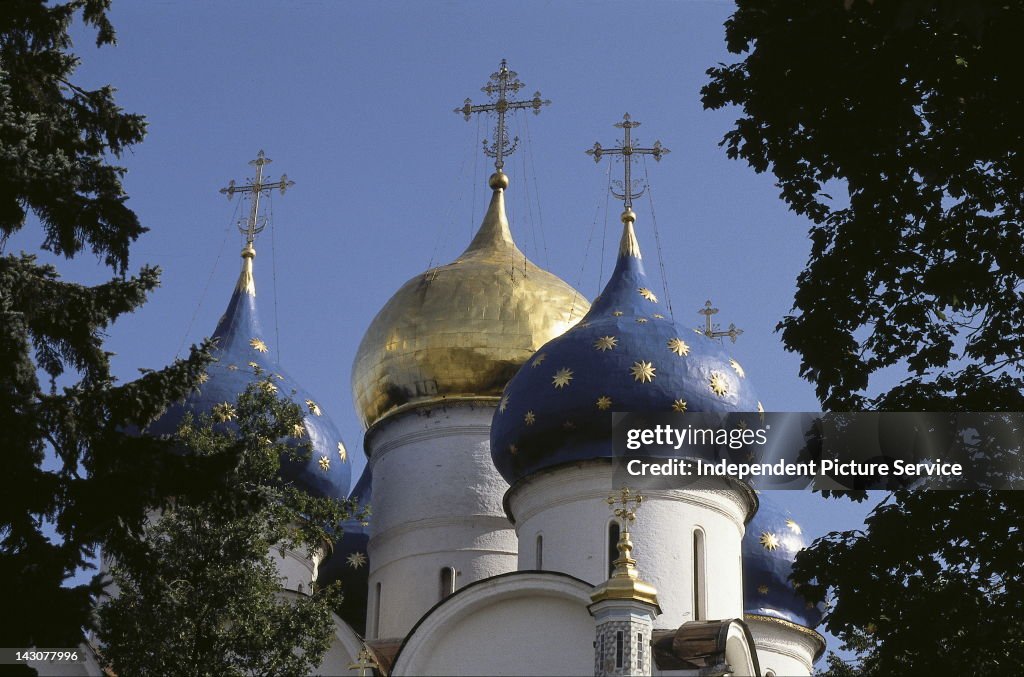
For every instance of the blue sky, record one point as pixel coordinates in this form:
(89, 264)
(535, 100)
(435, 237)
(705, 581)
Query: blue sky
(354, 102)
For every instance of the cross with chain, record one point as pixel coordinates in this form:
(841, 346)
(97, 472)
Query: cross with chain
(628, 502)
(710, 330)
(629, 188)
(364, 662)
(503, 83)
(257, 188)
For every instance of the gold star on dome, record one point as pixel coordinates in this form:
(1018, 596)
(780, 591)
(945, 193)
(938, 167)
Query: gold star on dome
(223, 412)
(537, 360)
(232, 367)
(259, 345)
(617, 313)
(718, 384)
(769, 540)
(678, 346)
(679, 405)
(313, 407)
(584, 325)
(737, 368)
(279, 377)
(762, 589)
(562, 377)
(268, 387)
(513, 449)
(504, 404)
(529, 418)
(659, 316)
(325, 463)
(794, 527)
(604, 402)
(698, 332)
(298, 430)
(342, 452)
(648, 294)
(641, 320)
(569, 425)
(356, 560)
(643, 372)
(253, 365)
(606, 343)
(202, 378)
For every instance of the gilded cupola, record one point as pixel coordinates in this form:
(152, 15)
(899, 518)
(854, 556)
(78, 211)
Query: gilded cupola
(462, 330)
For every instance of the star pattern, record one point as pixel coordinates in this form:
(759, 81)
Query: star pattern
(659, 316)
(342, 452)
(356, 560)
(325, 463)
(643, 372)
(313, 407)
(298, 430)
(718, 384)
(769, 540)
(641, 320)
(606, 343)
(737, 368)
(529, 418)
(202, 378)
(268, 387)
(762, 589)
(604, 403)
(678, 346)
(794, 527)
(569, 425)
(223, 412)
(259, 345)
(617, 313)
(562, 377)
(504, 404)
(648, 294)
(679, 405)
(253, 365)
(232, 367)
(537, 360)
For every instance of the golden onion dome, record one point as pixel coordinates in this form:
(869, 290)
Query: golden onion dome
(461, 331)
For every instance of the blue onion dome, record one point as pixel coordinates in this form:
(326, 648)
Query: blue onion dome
(770, 545)
(349, 561)
(625, 355)
(242, 356)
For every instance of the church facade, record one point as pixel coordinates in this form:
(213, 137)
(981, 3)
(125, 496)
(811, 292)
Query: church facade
(498, 542)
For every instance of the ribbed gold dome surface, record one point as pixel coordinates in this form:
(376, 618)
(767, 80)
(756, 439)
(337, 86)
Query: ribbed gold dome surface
(462, 330)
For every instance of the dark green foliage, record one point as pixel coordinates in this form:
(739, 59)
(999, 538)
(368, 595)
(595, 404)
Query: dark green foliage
(915, 111)
(897, 128)
(199, 593)
(74, 476)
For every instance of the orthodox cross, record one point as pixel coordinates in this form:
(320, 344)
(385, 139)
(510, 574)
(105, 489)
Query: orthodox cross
(364, 662)
(711, 330)
(258, 187)
(629, 188)
(628, 502)
(503, 83)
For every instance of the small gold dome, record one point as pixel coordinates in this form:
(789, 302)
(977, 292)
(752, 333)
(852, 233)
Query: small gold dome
(462, 330)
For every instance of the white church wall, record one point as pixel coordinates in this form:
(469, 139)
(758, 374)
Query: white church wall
(436, 504)
(296, 568)
(521, 624)
(344, 651)
(784, 649)
(568, 504)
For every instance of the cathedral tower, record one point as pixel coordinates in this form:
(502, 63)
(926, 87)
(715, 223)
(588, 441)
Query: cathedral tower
(427, 379)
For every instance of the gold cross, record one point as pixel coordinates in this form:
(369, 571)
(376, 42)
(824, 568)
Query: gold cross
(258, 187)
(629, 189)
(629, 503)
(711, 331)
(365, 661)
(503, 83)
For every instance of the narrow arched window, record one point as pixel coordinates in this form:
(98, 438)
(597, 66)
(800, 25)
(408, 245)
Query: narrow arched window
(447, 581)
(699, 597)
(613, 542)
(540, 551)
(376, 612)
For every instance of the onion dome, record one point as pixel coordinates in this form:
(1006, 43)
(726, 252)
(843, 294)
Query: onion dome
(242, 356)
(460, 331)
(625, 355)
(349, 561)
(770, 545)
